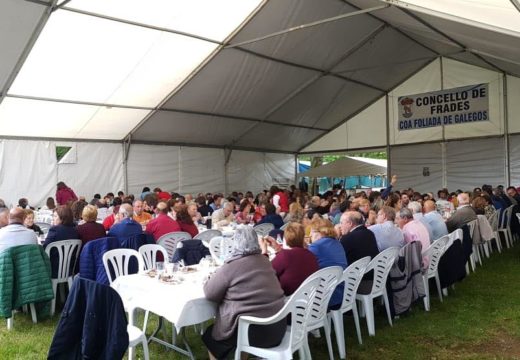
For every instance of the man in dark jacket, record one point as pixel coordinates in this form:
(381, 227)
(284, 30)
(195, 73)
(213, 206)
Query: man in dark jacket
(357, 240)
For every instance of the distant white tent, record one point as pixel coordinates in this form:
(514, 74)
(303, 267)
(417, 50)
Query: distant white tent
(348, 166)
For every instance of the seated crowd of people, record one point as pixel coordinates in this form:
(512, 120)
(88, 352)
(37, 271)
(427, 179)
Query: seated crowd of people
(334, 229)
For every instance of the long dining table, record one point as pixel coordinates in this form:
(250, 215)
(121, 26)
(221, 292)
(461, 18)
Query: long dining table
(181, 301)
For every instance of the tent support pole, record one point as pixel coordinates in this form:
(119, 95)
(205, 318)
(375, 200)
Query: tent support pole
(506, 132)
(227, 157)
(388, 158)
(443, 129)
(295, 169)
(126, 150)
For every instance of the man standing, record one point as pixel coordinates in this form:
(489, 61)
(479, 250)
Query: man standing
(463, 215)
(435, 220)
(357, 240)
(16, 233)
(386, 233)
(125, 227)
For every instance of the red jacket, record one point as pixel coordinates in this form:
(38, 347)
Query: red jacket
(161, 225)
(64, 195)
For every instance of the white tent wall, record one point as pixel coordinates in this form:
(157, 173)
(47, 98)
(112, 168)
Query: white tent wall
(98, 168)
(513, 105)
(193, 170)
(202, 170)
(472, 163)
(254, 171)
(27, 169)
(514, 149)
(410, 162)
(153, 166)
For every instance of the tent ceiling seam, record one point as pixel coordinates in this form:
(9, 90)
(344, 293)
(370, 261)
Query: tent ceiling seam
(27, 49)
(308, 25)
(442, 33)
(199, 67)
(233, 117)
(516, 4)
(301, 66)
(394, 28)
(311, 81)
(367, 105)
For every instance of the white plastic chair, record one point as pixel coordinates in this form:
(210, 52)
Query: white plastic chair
(68, 254)
(284, 226)
(504, 225)
(381, 265)
(330, 278)
(295, 336)
(434, 252)
(351, 277)
(136, 337)
(119, 259)
(263, 229)
(149, 254)
(169, 241)
(220, 248)
(493, 221)
(207, 235)
(475, 254)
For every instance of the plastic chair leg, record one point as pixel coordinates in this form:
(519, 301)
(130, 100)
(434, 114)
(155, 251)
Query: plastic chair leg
(326, 326)
(426, 298)
(10, 322)
(33, 313)
(439, 289)
(145, 323)
(131, 353)
(368, 305)
(53, 301)
(146, 353)
(387, 306)
(337, 321)
(356, 322)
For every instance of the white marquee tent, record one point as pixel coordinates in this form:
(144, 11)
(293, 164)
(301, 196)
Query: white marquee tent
(221, 95)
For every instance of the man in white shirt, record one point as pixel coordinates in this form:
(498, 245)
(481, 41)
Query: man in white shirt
(16, 233)
(223, 216)
(387, 234)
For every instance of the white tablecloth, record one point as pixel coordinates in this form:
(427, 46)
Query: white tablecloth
(182, 304)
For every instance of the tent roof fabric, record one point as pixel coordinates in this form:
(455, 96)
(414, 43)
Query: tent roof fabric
(249, 74)
(348, 166)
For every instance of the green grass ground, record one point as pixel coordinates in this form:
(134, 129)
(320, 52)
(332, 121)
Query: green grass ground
(480, 319)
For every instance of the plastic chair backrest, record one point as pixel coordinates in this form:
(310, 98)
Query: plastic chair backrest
(263, 229)
(472, 225)
(299, 307)
(352, 276)
(220, 248)
(453, 236)
(68, 254)
(493, 221)
(509, 213)
(284, 226)
(381, 265)
(330, 278)
(435, 252)
(169, 241)
(117, 262)
(149, 254)
(207, 235)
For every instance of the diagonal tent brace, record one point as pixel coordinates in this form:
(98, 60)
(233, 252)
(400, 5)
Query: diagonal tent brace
(305, 26)
(516, 4)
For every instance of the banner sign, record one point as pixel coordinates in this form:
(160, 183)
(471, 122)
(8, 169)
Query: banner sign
(446, 107)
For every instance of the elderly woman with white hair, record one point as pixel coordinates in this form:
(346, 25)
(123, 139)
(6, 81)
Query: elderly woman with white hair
(245, 285)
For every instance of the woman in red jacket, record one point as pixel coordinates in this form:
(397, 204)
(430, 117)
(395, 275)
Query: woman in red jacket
(64, 194)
